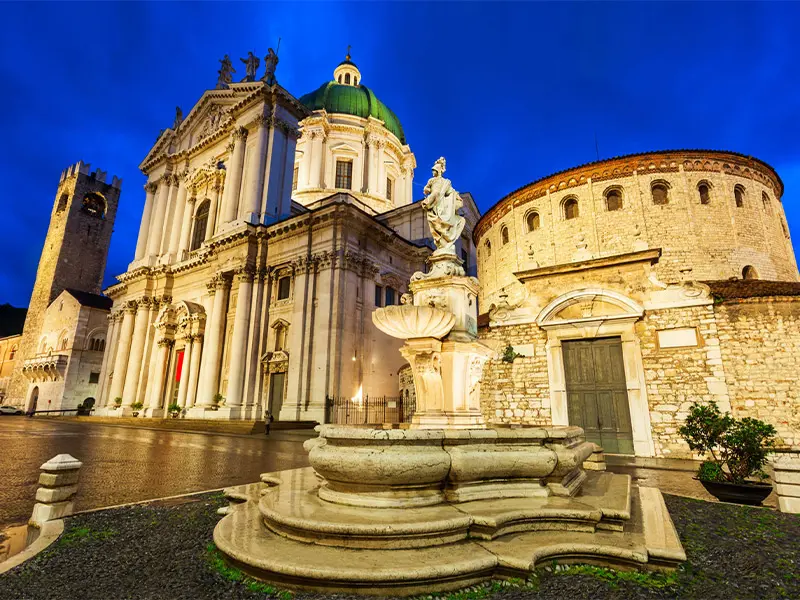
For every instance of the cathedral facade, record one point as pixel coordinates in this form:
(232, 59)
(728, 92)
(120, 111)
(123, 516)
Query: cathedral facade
(272, 228)
(620, 292)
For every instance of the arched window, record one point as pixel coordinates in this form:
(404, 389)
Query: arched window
(97, 343)
(200, 224)
(613, 199)
(488, 247)
(659, 193)
(347, 78)
(340, 79)
(749, 272)
(533, 221)
(738, 196)
(13, 353)
(95, 205)
(43, 346)
(280, 337)
(765, 201)
(571, 209)
(704, 190)
(504, 235)
(355, 80)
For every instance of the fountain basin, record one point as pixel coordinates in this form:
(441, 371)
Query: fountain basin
(408, 322)
(423, 467)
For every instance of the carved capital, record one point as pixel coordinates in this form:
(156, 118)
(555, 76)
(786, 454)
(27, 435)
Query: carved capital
(150, 187)
(260, 121)
(245, 274)
(165, 343)
(230, 147)
(240, 133)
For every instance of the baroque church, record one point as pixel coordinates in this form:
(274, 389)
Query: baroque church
(272, 227)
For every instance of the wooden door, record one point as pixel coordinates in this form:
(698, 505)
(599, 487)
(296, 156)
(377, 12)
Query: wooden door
(597, 394)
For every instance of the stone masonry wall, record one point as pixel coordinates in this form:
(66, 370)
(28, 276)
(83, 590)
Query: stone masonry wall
(760, 344)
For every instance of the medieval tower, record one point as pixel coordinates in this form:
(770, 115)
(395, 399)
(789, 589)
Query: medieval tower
(74, 253)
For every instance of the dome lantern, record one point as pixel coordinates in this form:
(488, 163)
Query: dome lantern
(347, 72)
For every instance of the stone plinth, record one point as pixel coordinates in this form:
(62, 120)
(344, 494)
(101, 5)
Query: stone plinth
(457, 295)
(412, 467)
(787, 481)
(59, 484)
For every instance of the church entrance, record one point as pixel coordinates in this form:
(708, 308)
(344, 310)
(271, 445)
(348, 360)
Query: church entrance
(34, 399)
(597, 394)
(276, 387)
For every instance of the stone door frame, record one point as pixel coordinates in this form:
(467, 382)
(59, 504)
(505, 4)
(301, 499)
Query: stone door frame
(617, 325)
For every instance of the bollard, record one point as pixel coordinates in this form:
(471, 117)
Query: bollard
(58, 485)
(787, 481)
(597, 460)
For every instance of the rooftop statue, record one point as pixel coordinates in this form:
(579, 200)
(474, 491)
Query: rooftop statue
(178, 118)
(442, 204)
(252, 62)
(225, 73)
(270, 64)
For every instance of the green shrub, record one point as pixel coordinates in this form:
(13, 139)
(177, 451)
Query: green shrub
(509, 354)
(137, 406)
(174, 407)
(737, 447)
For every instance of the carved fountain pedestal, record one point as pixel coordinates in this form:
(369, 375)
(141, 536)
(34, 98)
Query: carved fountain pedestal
(450, 501)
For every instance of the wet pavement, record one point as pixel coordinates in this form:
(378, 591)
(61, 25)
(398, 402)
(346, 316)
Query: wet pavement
(123, 464)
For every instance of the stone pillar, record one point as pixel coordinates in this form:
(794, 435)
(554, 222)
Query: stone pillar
(108, 360)
(184, 380)
(233, 176)
(254, 186)
(316, 159)
(178, 220)
(304, 168)
(787, 481)
(212, 355)
(380, 190)
(169, 215)
(136, 353)
(252, 362)
(143, 387)
(186, 228)
(159, 377)
(123, 352)
(59, 481)
(194, 369)
(372, 152)
(211, 225)
(157, 221)
(141, 242)
(239, 339)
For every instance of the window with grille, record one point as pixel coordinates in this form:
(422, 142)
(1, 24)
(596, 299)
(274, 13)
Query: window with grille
(294, 178)
(94, 377)
(344, 174)
(200, 224)
(389, 184)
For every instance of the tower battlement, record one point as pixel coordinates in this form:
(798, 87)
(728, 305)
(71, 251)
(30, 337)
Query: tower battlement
(82, 168)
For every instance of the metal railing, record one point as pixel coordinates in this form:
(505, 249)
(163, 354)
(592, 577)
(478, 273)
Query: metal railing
(369, 410)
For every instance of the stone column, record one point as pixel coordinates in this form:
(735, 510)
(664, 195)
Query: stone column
(141, 242)
(159, 375)
(157, 221)
(372, 181)
(304, 168)
(186, 228)
(184, 380)
(168, 215)
(108, 357)
(194, 369)
(254, 187)
(211, 225)
(316, 159)
(136, 352)
(380, 190)
(255, 333)
(178, 220)
(233, 176)
(212, 355)
(239, 339)
(123, 351)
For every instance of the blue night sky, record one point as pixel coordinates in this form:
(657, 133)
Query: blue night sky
(507, 92)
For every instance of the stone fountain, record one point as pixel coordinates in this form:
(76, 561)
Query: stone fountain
(451, 500)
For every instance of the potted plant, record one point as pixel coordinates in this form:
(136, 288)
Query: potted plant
(174, 410)
(136, 407)
(218, 401)
(117, 402)
(737, 449)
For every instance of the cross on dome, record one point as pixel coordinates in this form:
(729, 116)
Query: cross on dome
(347, 72)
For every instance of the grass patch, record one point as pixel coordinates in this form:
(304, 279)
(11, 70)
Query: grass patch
(485, 590)
(218, 564)
(84, 534)
(612, 577)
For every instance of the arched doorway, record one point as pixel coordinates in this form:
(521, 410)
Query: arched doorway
(34, 399)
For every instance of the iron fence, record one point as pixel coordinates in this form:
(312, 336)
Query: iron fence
(369, 410)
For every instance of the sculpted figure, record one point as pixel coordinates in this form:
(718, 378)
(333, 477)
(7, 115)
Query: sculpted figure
(226, 71)
(442, 203)
(251, 64)
(178, 118)
(270, 64)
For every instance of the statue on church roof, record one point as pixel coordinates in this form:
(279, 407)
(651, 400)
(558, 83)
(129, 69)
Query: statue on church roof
(178, 118)
(442, 204)
(252, 62)
(225, 73)
(270, 64)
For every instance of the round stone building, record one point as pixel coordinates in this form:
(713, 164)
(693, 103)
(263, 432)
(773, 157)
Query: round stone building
(620, 292)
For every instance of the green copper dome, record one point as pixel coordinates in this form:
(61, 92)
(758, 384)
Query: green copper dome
(358, 101)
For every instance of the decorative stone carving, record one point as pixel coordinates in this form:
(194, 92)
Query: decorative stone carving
(150, 187)
(408, 321)
(442, 203)
(178, 118)
(270, 64)
(251, 64)
(225, 73)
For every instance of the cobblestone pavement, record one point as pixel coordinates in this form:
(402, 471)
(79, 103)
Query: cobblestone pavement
(131, 464)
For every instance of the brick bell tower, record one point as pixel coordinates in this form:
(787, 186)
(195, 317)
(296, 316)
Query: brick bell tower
(74, 254)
